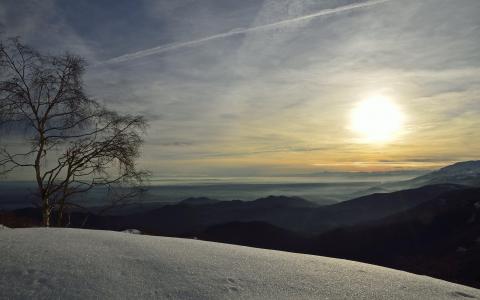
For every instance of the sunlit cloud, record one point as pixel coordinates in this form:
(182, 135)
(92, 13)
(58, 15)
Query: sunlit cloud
(269, 86)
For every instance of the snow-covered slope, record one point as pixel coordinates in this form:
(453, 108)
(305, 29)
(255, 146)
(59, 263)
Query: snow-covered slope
(83, 264)
(465, 172)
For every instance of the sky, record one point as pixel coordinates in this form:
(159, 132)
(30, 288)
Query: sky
(269, 87)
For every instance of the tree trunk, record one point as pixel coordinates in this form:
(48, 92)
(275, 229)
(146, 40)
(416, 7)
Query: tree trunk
(45, 213)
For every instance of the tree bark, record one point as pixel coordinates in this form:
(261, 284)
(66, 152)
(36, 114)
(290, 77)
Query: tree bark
(45, 214)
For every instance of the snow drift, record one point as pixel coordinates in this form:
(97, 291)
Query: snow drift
(52, 263)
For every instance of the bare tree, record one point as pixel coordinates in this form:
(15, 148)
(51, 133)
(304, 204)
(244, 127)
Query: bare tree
(75, 144)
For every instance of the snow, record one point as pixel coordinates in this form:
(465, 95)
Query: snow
(3, 227)
(132, 231)
(39, 263)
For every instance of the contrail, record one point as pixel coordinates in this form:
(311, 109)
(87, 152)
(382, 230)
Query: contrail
(174, 46)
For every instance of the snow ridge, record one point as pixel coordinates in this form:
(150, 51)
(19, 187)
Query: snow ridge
(86, 264)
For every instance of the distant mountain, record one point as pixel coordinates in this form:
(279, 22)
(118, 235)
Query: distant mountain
(440, 238)
(463, 173)
(380, 205)
(433, 230)
(186, 219)
(289, 213)
(283, 201)
(256, 234)
(294, 214)
(190, 216)
(198, 201)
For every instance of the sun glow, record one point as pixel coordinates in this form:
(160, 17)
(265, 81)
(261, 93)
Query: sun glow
(377, 119)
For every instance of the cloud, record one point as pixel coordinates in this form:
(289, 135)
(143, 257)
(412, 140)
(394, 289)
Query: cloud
(239, 31)
(277, 90)
(40, 23)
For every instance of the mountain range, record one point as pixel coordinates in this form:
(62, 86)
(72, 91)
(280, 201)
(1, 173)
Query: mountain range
(463, 173)
(432, 227)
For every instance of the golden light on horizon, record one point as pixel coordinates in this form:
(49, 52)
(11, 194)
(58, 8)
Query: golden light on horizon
(377, 120)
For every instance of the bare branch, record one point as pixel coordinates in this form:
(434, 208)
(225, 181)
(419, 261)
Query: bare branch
(92, 146)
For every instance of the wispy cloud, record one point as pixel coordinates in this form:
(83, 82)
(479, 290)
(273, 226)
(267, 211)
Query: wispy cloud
(277, 91)
(174, 46)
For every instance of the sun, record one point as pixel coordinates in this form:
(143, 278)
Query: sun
(377, 119)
